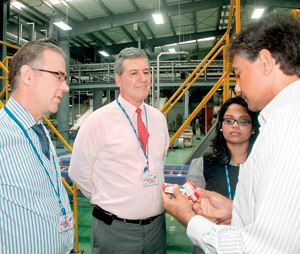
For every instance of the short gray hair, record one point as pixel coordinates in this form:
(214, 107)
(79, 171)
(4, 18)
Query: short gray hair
(30, 54)
(128, 53)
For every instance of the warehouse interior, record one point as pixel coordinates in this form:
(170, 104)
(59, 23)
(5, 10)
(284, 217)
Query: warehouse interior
(97, 30)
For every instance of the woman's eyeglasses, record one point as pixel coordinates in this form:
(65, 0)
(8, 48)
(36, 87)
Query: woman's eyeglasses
(241, 122)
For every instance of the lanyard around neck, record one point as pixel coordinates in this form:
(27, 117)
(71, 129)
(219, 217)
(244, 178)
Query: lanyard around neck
(228, 182)
(135, 132)
(37, 154)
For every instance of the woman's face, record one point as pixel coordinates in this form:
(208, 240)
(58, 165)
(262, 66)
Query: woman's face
(236, 133)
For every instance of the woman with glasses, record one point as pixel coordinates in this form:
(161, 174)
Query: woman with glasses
(236, 131)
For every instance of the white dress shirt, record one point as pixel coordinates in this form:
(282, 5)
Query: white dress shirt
(107, 161)
(265, 215)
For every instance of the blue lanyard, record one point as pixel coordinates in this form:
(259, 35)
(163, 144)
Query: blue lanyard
(228, 183)
(63, 210)
(145, 153)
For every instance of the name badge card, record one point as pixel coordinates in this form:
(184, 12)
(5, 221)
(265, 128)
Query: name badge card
(150, 179)
(66, 222)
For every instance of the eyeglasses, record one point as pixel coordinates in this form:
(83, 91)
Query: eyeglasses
(241, 122)
(61, 77)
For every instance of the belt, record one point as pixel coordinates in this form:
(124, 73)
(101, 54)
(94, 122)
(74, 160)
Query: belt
(108, 217)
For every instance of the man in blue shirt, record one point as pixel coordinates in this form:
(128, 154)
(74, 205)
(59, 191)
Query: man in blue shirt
(35, 215)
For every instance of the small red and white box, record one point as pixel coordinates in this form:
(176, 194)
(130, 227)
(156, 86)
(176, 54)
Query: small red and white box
(168, 188)
(188, 188)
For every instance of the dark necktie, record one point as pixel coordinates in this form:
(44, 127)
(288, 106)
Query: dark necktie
(142, 130)
(39, 130)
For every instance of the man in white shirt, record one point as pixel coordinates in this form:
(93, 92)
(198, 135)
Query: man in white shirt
(265, 210)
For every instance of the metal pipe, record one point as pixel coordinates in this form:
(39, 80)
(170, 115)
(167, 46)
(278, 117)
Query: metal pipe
(152, 86)
(33, 34)
(158, 72)
(14, 38)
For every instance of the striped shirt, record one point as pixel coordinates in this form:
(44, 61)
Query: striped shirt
(265, 215)
(29, 208)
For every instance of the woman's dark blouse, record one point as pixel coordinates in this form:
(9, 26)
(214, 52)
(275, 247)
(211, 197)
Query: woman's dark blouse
(215, 177)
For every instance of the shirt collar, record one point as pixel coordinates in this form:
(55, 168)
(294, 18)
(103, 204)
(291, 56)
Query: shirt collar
(22, 115)
(280, 100)
(129, 108)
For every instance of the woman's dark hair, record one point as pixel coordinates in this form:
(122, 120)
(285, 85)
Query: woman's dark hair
(219, 145)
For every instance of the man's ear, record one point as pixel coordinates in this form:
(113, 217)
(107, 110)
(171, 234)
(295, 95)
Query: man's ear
(117, 79)
(267, 61)
(26, 75)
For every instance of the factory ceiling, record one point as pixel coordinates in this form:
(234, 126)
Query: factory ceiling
(111, 25)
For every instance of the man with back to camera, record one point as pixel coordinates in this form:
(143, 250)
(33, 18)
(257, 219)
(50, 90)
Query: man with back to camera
(35, 215)
(120, 169)
(265, 210)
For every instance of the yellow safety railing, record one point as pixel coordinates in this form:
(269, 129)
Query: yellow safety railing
(225, 79)
(295, 13)
(73, 190)
(4, 66)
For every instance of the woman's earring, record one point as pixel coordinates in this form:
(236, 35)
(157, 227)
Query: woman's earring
(252, 132)
(221, 129)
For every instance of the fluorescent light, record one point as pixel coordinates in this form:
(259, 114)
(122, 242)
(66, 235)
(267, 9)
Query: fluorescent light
(173, 44)
(18, 5)
(172, 50)
(206, 39)
(257, 13)
(187, 42)
(158, 19)
(62, 25)
(103, 53)
(55, 2)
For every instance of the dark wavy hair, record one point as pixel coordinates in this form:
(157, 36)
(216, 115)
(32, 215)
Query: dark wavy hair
(277, 33)
(219, 145)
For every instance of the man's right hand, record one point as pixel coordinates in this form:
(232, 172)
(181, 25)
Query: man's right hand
(213, 206)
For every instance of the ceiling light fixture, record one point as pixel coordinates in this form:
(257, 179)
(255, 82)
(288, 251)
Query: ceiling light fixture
(55, 2)
(257, 13)
(62, 25)
(206, 39)
(158, 18)
(103, 53)
(187, 42)
(18, 5)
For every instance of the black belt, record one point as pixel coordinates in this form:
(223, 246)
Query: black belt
(108, 217)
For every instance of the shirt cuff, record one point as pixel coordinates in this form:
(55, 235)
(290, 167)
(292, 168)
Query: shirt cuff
(197, 227)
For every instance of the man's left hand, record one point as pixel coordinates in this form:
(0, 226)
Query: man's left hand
(178, 206)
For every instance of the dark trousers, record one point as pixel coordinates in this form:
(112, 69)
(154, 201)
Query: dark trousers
(126, 238)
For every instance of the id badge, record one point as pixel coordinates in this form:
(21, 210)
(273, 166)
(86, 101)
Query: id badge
(66, 222)
(150, 179)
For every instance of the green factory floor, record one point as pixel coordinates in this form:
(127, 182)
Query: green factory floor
(177, 240)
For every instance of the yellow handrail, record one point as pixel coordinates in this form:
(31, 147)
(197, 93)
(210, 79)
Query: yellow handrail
(198, 75)
(72, 191)
(198, 108)
(224, 79)
(192, 74)
(295, 13)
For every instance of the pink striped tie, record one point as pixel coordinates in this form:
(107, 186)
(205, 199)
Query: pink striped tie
(142, 130)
